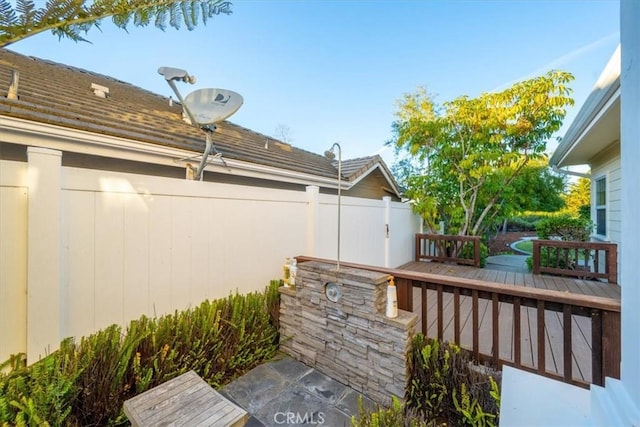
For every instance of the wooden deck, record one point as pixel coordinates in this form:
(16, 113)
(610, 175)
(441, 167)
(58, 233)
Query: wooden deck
(581, 332)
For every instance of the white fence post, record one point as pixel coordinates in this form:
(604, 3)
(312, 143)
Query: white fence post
(313, 219)
(387, 220)
(43, 256)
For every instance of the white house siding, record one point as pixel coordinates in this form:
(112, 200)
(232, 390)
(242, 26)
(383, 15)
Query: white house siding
(607, 163)
(13, 257)
(137, 244)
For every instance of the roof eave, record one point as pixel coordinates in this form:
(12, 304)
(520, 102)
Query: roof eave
(603, 96)
(25, 132)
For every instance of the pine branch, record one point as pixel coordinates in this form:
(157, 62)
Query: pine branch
(70, 18)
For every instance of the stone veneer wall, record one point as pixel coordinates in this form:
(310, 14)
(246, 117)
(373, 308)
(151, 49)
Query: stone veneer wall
(350, 340)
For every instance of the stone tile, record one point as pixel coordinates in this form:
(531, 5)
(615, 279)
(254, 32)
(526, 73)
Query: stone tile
(349, 403)
(321, 386)
(257, 387)
(254, 422)
(290, 369)
(297, 407)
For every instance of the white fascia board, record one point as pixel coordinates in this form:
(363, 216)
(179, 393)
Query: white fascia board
(26, 132)
(587, 128)
(602, 96)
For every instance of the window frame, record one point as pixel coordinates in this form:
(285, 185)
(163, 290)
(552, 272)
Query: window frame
(600, 205)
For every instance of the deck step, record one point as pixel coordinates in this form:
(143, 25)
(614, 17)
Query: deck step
(186, 400)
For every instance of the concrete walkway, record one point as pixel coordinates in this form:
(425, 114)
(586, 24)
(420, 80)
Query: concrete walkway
(514, 263)
(286, 392)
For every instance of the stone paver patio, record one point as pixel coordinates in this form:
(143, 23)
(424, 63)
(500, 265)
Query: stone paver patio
(285, 392)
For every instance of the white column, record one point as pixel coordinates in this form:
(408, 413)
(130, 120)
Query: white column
(618, 403)
(313, 219)
(43, 255)
(630, 154)
(387, 230)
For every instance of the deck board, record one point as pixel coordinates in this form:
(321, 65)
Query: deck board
(554, 357)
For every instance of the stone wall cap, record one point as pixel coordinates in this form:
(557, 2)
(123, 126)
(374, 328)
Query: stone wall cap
(405, 319)
(347, 273)
(287, 290)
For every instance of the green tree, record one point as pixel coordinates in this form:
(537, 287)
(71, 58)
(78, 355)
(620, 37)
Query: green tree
(460, 160)
(578, 198)
(537, 188)
(70, 18)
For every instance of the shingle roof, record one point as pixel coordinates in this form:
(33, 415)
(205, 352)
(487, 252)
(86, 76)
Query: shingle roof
(353, 168)
(61, 95)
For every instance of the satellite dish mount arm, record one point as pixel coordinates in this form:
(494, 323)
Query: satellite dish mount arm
(219, 104)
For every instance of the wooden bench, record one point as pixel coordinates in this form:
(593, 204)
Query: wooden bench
(186, 400)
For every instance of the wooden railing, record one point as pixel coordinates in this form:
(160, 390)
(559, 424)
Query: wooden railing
(448, 248)
(461, 304)
(589, 260)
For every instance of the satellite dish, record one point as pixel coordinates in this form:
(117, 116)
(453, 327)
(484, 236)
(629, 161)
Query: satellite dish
(210, 106)
(205, 108)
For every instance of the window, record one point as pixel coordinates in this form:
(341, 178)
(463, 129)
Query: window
(601, 206)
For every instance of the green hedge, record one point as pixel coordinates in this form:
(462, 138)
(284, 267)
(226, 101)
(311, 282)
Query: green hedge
(565, 227)
(86, 383)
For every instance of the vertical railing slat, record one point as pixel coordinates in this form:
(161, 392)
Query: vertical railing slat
(424, 308)
(517, 333)
(440, 313)
(541, 337)
(456, 315)
(475, 323)
(567, 343)
(495, 326)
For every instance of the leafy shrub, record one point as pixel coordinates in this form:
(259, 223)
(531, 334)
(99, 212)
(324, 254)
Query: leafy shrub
(564, 227)
(467, 253)
(395, 416)
(443, 385)
(86, 383)
(527, 221)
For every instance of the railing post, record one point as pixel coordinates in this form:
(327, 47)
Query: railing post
(612, 263)
(596, 348)
(611, 348)
(476, 252)
(418, 246)
(405, 294)
(536, 257)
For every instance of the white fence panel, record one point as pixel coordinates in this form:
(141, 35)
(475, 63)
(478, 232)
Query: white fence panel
(136, 244)
(13, 258)
(404, 225)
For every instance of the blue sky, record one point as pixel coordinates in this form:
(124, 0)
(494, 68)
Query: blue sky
(332, 71)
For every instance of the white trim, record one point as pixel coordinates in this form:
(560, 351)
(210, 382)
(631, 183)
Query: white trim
(25, 132)
(605, 92)
(590, 125)
(605, 176)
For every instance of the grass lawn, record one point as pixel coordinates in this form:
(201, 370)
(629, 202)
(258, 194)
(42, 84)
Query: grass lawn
(525, 246)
